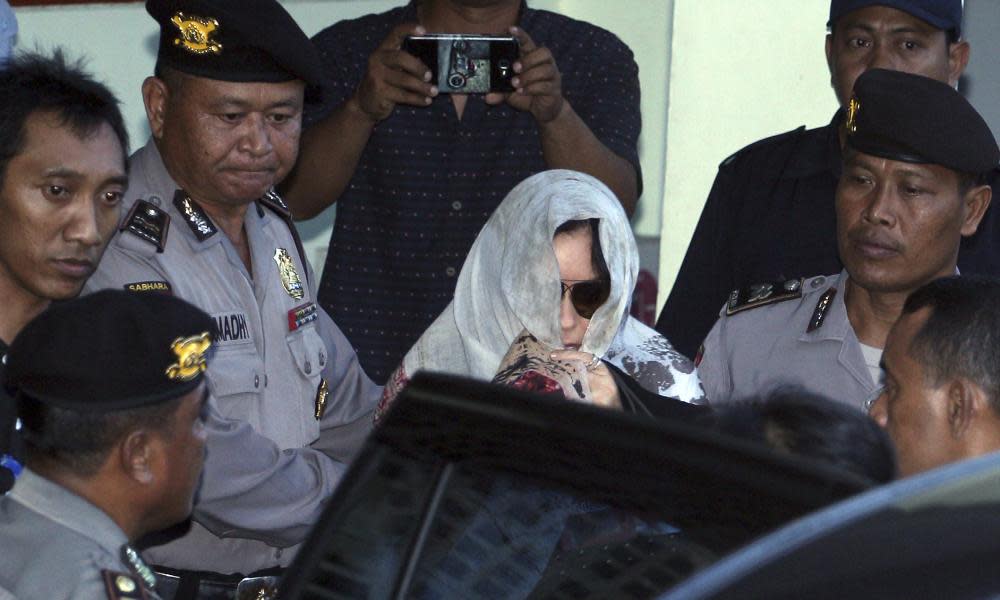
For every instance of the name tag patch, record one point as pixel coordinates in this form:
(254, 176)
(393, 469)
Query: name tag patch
(160, 287)
(302, 315)
(232, 327)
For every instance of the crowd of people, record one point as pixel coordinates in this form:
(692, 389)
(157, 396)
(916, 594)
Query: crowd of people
(181, 393)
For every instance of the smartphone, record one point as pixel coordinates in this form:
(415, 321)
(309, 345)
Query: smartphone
(466, 64)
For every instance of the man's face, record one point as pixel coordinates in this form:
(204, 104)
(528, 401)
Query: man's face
(899, 224)
(227, 143)
(184, 444)
(888, 38)
(912, 411)
(60, 202)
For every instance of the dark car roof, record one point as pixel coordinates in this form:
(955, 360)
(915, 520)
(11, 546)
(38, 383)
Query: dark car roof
(936, 535)
(468, 489)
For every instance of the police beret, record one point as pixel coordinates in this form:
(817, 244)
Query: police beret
(109, 351)
(916, 119)
(945, 15)
(234, 40)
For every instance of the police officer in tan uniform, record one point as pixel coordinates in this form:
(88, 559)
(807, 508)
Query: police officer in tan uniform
(111, 392)
(203, 224)
(913, 186)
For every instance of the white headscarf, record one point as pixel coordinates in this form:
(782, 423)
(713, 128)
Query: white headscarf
(510, 283)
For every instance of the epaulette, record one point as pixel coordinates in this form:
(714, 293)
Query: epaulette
(149, 222)
(761, 294)
(121, 585)
(763, 142)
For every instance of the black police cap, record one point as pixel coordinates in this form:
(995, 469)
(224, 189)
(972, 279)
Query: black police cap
(916, 119)
(234, 40)
(945, 15)
(111, 350)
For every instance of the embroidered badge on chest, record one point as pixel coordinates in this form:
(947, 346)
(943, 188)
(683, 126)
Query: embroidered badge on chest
(289, 275)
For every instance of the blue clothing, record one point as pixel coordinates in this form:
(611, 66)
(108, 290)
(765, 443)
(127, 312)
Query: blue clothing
(427, 181)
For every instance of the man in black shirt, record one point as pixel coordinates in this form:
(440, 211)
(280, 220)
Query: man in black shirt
(770, 214)
(63, 147)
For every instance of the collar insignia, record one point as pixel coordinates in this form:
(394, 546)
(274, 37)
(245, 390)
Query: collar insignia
(819, 314)
(139, 567)
(190, 353)
(195, 34)
(289, 276)
(852, 115)
(194, 216)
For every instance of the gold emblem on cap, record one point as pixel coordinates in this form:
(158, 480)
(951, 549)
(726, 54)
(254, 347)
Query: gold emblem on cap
(196, 33)
(853, 108)
(190, 353)
(125, 584)
(289, 276)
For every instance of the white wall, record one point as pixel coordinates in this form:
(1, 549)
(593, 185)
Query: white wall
(740, 71)
(120, 42)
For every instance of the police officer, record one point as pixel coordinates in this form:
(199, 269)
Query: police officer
(203, 223)
(111, 391)
(913, 185)
(770, 214)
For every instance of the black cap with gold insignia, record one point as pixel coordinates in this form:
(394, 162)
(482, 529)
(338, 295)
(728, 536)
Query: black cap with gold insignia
(111, 350)
(234, 40)
(911, 118)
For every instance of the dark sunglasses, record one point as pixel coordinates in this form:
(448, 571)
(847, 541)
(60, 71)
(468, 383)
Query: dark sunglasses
(587, 296)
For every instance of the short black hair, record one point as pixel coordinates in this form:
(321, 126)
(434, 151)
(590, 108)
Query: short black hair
(32, 82)
(596, 253)
(798, 422)
(79, 442)
(961, 337)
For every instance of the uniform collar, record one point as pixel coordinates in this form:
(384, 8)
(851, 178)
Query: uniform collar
(58, 504)
(821, 154)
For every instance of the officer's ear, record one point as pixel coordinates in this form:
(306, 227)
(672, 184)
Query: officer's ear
(155, 95)
(962, 404)
(139, 455)
(976, 201)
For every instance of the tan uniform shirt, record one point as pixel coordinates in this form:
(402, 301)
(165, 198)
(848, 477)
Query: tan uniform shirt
(274, 350)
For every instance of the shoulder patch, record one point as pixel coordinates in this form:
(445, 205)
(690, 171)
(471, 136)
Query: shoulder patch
(149, 222)
(194, 216)
(819, 313)
(161, 287)
(122, 585)
(761, 294)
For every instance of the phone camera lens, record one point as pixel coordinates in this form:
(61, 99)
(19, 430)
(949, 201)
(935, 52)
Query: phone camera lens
(456, 80)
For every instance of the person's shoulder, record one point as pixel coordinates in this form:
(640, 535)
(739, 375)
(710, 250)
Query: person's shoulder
(775, 304)
(354, 30)
(778, 143)
(555, 30)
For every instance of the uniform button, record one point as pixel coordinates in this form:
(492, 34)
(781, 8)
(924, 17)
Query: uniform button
(309, 367)
(450, 271)
(265, 379)
(322, 359)
(456, 205)
(256, 381)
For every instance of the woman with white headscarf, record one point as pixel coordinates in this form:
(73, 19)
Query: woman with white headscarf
(539, 305)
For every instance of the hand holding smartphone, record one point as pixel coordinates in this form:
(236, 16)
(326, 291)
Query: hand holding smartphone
(466, 64)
